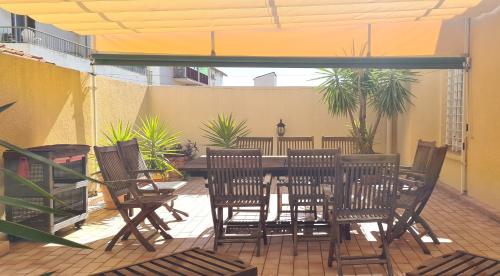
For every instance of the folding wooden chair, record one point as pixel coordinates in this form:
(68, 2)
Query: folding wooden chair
(284, 144)
(235, 179)
(265, 144)
(347, 145)
(136, 167)
(421, 158)
(117, 181)
(308, 172)
(412, 200)
(365, 191)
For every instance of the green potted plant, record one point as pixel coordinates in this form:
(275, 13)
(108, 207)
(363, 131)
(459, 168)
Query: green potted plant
(350, 92)
(185, 152)
(155, 141)
(223, 131)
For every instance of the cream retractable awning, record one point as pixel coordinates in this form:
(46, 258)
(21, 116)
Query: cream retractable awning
(260, 28)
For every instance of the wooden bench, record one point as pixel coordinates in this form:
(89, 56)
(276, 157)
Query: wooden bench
(194, 261)
(458, 263)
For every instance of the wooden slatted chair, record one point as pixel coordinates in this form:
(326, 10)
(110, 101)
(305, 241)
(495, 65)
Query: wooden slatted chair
(365, 191)
(235, 179)
(136, 167)
(347, 145)
(265, 144)
(308, 172)
(458, 263)
(412, 201)
(117, 181)
(284, 144)
(421, 158)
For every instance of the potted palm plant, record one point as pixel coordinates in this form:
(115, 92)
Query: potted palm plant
(350, 92)
(155, 141)
(223, 131)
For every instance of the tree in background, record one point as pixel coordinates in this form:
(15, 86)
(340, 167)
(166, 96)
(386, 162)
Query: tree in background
(350, 92)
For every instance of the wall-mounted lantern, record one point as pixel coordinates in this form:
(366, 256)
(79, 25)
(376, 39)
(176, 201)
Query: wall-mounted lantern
(280, 128)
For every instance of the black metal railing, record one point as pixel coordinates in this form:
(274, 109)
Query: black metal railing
(190, 73)
(141, 70)
(9, 34)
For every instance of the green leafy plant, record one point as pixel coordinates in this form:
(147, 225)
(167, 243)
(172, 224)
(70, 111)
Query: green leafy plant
(22, 231)
(155, 141)
(223, 131)
(119, 133)
(350, 91)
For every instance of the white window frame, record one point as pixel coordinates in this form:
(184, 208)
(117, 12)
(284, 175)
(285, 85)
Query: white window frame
(455, 110)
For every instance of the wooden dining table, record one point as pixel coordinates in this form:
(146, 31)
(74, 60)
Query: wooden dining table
(275, 165)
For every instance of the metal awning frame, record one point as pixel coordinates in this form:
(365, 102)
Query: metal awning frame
(281, 62)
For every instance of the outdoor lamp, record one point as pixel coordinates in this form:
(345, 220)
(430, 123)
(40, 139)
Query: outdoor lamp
(280, 128)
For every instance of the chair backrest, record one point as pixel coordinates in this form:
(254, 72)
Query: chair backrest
(265, 144)
(235, 174)
(366, 184)
(422, 155)
(112, 169)
(307, 170)
(432, 173)
(285, 143)
(347, 145)
(132, 158)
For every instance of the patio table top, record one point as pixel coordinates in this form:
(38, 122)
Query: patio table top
(276, 165)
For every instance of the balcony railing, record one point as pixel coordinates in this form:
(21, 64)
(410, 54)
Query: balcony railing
(191, 74)
(32, 36)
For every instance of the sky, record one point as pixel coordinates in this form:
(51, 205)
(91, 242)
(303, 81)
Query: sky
(286, 76)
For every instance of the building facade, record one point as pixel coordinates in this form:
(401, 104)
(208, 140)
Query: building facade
(73, 51)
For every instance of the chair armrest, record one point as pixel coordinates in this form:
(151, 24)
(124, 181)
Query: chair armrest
(149, 171)
(415, 175)
(411, 182)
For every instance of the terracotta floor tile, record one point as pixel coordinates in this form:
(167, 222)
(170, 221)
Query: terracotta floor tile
(458, 227)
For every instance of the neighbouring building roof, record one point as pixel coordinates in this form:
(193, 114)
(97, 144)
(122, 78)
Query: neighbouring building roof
(13, 52)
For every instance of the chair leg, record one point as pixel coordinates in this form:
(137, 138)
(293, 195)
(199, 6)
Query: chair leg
(280, 202)
(385, 249)
(293, 216)
(160, 221)
(428, 229)
(418, 239)
(333, 238)
(217, 232)
(258, 236)
(220, 212)
(154, 222)
(131, 225)
(263, 217)
(174, 212)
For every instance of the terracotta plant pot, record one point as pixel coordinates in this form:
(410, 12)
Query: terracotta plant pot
(108, 201)
(177, 161)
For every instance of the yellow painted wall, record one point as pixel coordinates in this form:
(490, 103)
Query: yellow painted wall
(427, 120)
(184, 108)
(54, 104)
(118, 100)
(484, 108)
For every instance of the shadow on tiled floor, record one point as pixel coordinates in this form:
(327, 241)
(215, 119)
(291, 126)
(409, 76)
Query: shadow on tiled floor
(456, 225)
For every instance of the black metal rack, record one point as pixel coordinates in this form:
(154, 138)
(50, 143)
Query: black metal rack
(66, 187)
